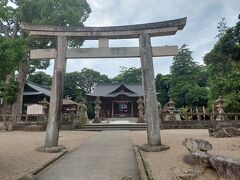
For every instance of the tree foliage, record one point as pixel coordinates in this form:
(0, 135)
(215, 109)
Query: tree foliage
(47, 12)
(163, 87)
(128, 75)
(12, 51)
(77, 84)
(9, 91)
(41, 78)
(187, 86)
(223, 66)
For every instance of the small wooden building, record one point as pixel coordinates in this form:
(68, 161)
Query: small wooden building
(34, 93)
(118, 100)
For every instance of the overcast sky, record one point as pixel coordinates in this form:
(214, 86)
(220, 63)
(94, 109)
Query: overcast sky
(199, 32)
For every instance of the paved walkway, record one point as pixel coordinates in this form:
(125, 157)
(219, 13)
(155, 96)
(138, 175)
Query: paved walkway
(107, 156)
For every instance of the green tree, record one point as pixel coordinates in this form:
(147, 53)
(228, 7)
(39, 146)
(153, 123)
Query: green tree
(9, 91)
(41, 78)
(11, 52)
(163, 87)
(77, 84)
(223, 65)
(128, 75)
(48, 12)
(202, 76)
(185, 83)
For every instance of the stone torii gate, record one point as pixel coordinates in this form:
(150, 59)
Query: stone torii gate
(145, 51)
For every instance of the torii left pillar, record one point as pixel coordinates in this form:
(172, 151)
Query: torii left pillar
(55, 111)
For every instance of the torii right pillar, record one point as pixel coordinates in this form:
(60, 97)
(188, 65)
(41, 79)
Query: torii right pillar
(150, 97)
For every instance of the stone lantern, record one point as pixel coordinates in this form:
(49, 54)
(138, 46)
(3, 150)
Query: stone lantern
(97, 110)
(171, 107)
(140, 110)
(220, 104)
(83, 113)
(45, 105)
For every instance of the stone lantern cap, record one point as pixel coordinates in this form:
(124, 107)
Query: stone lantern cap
(220, 102)
(171, 104)
(44, 102)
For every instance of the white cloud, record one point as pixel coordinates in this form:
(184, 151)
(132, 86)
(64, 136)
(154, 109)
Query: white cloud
(199, 33)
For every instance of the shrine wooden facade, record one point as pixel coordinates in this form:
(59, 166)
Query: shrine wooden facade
(118, 100)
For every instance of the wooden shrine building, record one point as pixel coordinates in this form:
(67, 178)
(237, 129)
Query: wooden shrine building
(34, 93)
(118, 100)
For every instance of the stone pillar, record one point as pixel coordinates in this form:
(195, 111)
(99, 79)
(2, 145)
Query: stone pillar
(140, 110)
(150, 97)
(55, 110)
(97, 110)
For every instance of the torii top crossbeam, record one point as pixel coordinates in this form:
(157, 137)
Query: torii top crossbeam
(112, 32)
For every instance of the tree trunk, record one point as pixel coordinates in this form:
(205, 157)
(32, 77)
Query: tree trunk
(17, 106)
(7, 108)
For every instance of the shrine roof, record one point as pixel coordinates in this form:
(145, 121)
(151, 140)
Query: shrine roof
(35, 89)
(115, 89)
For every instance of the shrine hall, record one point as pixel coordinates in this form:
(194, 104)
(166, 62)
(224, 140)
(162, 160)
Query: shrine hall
(118, 100)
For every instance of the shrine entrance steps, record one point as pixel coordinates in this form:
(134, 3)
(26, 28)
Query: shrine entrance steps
(111, 127)
(111, 124)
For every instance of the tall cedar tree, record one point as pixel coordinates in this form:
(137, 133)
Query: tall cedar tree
(184, 85)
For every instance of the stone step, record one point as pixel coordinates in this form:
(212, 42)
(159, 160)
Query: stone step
(105, 127)
(111, 129)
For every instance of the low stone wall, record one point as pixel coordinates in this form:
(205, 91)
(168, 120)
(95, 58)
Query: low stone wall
(194, 121)
(199, 120)
(19, 126)
(193, 124)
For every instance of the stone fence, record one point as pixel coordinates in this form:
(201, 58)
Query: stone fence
(199, 120)
(26, 120)
(169, 120)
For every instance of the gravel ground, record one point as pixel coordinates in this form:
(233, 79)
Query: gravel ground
(165, 165)
(17, 154)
